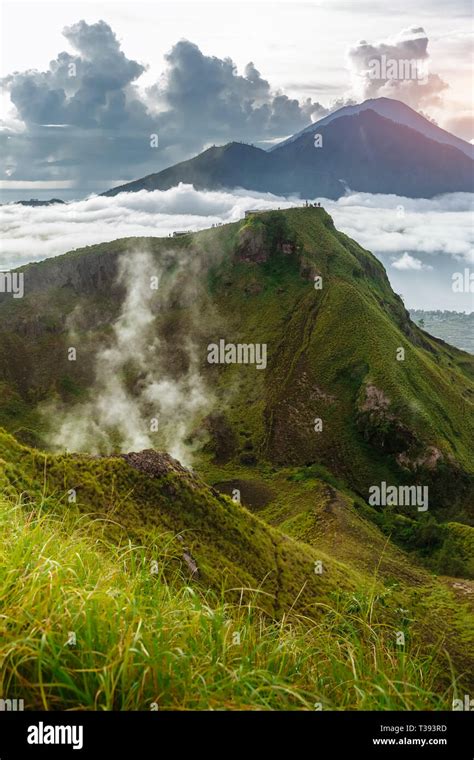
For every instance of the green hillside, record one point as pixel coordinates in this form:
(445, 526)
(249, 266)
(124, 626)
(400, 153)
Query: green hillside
(263, 617)
(272, 531)
(333, 353)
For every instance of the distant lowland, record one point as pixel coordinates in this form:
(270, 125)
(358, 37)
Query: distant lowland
(454, 327)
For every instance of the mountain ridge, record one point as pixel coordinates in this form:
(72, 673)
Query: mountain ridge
(253, 282)
(363, 151)
(274, 519)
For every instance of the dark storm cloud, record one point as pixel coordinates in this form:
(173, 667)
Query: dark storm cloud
(85, 118)
(209, 94)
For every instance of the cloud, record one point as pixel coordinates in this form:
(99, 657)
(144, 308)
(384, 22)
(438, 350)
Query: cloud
(409, 263)
(86, 119)
(397, 67)
(33, 234)
(461, 124)
(82, 90)
(82, 116)
(209, 94)
(381, 223)
(393, 224)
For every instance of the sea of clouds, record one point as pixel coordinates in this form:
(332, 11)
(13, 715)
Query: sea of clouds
(382, 223)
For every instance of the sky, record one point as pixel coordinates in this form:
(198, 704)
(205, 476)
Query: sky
(98, 93)
(86, 85)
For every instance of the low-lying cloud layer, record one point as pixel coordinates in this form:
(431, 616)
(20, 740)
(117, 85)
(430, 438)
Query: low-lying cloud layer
(390, 223)
(382, 223)
(33, 234)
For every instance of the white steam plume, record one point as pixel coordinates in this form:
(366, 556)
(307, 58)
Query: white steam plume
(116, 418)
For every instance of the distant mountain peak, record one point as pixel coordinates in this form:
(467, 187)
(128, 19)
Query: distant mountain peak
(397, 112)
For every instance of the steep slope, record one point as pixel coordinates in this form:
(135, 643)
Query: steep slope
(393, 401)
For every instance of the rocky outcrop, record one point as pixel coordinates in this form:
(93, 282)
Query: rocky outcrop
(155, 464)
(380, 426)
(87, 274)
(252, 246)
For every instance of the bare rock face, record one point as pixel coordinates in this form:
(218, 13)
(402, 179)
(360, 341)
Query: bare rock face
(155, 464)
(308, 270)
(380, 426)
(252, 247)
(428, 460)
(253, 289)
(287, 248)
(375, 400)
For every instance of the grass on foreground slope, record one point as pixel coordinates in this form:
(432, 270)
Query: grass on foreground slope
(143, 641)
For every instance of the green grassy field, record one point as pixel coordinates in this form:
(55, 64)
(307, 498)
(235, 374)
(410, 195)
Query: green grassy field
(298, 603)
(144, 640)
